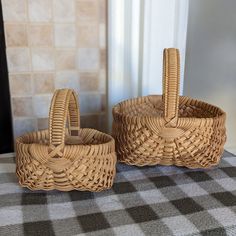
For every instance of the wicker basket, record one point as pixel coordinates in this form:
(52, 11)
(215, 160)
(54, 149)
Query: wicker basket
(65, 159)
(169, 129)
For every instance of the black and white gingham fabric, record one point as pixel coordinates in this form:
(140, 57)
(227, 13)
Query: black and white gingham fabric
(143, 201)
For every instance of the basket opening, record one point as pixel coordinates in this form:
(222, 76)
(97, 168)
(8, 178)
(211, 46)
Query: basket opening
(153, 106)
(85, 137)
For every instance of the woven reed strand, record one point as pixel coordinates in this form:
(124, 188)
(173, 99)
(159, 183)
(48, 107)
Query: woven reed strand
(56, 159)
(169, 129)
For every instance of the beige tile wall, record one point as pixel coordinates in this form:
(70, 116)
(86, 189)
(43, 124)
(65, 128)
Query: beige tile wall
(54, 44)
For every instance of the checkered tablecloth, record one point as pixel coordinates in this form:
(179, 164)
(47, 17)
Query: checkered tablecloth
(143, 201)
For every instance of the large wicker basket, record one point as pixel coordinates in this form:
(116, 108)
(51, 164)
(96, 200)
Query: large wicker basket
(65, 159)
(169, 129)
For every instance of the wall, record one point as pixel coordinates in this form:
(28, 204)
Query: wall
(210, 69)
(54, 44)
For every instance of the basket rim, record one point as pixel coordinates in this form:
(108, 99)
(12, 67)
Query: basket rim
(110, 142)
(116, 112)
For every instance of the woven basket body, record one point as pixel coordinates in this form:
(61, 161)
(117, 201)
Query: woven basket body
(169, 129)
(65, 159)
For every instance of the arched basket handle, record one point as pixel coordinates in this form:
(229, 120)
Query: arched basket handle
(171, 80)
(64, 106)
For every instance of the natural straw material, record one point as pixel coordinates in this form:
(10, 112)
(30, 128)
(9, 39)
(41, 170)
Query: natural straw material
(65, 159)
(169, 129)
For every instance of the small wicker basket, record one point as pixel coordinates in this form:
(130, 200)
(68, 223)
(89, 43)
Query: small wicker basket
(169, 129)
(65, 159)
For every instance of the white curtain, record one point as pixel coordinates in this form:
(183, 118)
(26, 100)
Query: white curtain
(138, 31)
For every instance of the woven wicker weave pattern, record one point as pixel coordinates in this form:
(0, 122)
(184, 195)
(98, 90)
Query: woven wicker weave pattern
(81, 159)
(169, 129)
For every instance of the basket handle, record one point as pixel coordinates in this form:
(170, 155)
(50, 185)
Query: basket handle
(171, 79)
(64, 106)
